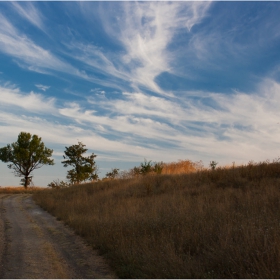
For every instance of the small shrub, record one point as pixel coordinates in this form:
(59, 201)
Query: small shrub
(113, 174)
(213, 164)
(57, 184)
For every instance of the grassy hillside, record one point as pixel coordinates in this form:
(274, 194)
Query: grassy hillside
(222, 223)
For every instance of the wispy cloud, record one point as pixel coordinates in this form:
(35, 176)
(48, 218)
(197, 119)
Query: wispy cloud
(42, 87)
(12, 97)
(27, 52)
(31, 56)
(156, 24)
(238, 127)
(241, 39)
(140, 104)
(210, 125)
(144, 30)
(60, 134)
(28, 11)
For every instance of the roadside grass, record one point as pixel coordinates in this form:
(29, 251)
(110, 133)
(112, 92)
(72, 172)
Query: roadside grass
(18, 190)
(222, 223)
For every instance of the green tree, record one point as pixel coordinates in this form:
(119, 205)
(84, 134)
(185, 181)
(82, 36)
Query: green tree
(158, 167)
(113, 174)
(146, 167)
(84, 167)
(213, 164)
(26, 154)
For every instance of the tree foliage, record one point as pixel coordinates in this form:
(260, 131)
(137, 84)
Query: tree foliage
(158, 167)
(84, 167)
(213, 164)
(26, 154)
(113, 174)
(147, 167)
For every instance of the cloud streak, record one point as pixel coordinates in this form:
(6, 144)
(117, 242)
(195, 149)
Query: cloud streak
(144, 30)
(29, 12)
(196, 125)
(42, 87)
(30, 55)
(11, 97)
(156, 24)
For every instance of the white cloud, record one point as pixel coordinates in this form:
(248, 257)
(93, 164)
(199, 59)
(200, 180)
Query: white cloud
(27, 52)
(42, 87)
(31, 56)
(140, 104)
(98, 91)
(239, 126)
(148, 29)
(107, 64)
(32, 102)
(243, 37)
(28, 11)
(59, 134)
(145, 33)
(145, 30)
(237, 120)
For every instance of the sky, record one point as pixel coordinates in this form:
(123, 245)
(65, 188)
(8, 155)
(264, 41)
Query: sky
(160, 81)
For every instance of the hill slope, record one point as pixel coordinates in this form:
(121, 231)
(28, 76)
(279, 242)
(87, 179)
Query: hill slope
(222, 223)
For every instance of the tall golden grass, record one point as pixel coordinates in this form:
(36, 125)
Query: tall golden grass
(181, 167)
(222, 223)
(18, 190)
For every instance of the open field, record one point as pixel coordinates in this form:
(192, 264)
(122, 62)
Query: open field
(222, 223)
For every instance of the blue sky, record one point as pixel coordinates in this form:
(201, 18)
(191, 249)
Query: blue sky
(132, 80)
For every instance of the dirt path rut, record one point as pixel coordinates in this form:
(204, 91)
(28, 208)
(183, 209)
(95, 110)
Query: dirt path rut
(33, 244)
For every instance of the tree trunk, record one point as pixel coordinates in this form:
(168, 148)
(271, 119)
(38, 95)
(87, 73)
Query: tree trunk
(26, 179)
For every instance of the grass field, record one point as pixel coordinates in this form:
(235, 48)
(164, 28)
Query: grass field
(222, 223)
(16, 190)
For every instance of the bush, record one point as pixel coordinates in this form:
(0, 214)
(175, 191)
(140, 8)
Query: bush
(57, 184)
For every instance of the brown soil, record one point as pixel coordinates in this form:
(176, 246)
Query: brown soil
(33, 244)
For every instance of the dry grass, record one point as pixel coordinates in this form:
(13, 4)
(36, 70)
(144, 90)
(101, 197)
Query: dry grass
(181, 167)
(17, 190)
(209, 224)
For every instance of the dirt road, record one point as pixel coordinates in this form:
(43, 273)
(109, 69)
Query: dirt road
(33, 244)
